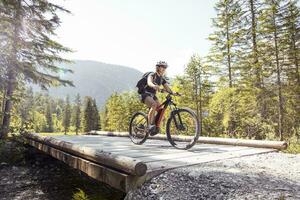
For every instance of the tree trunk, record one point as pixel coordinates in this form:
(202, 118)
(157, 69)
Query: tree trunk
(254, 47)
(200, 102)
(297, 88)
(228, 57)
(258, 71)
(196, 95)
(12, 75)
(8, 103)
(3, 104)
(278, 70)
(296, 60)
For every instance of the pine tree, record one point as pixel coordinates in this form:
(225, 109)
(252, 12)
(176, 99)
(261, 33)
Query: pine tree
(223, 53)
(77, 114)
(196, 87)
(48, 115)
(193, 71)
(88, 115)
(95, 116)
(67, 115)
(250, 59)
(114, 115)
(26, 29)
(292, 23)
(291, 73)
(271, 24)
(26, 107)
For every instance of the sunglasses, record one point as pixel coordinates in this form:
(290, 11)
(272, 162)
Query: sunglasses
(163, 66)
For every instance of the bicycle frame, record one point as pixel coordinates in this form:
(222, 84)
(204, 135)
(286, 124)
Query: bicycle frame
(161, 111)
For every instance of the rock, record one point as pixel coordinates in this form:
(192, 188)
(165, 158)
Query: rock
(153, 186)
(3, 164)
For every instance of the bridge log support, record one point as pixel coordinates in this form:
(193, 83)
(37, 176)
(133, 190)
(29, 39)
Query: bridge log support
(280, 145)
(120, 172)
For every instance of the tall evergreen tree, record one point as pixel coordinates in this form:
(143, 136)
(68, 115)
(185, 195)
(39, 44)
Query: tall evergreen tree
(77, 114)
(223, 53)
(26, 30)
(48, 116)
(250, 59)
(271, 24)
(88, 117)
(67, 115)
(290, 66)
(292, 23)
(96, 116)
(225, 50)
(196, 85)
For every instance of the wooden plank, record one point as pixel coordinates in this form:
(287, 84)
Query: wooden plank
(165, 157)
(138, 151)
(116, 179)
(111, 177)
(98, 143)
(142, 155)
(182, 162)
(122, 163)
(195, 149)
(184, 155)
(280, 145)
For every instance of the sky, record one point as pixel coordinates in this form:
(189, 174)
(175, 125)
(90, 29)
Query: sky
(137, 33)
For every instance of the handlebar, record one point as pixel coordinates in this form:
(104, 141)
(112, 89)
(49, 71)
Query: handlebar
(174, 94)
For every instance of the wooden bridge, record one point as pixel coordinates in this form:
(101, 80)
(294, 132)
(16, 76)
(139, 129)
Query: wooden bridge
(113, 159)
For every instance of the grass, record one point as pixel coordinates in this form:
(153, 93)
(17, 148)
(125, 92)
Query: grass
(80, 195)
(293, 148)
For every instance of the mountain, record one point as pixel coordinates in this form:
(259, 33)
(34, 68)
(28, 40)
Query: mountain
(96, 79)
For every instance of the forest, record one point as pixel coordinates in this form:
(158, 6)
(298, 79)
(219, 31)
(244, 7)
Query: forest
(247, 86)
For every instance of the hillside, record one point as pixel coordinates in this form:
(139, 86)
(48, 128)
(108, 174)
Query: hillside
(96, 79)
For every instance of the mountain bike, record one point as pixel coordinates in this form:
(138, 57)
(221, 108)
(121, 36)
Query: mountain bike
(182, 127)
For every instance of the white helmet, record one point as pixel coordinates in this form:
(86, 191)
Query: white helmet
(161, 64)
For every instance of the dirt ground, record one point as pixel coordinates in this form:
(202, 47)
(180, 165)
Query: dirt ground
(264, 176)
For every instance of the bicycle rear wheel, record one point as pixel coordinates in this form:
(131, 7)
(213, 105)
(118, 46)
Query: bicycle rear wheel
(183, 128)
(138, 128)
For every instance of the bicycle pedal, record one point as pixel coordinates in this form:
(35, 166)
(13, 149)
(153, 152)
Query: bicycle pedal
(155, 132)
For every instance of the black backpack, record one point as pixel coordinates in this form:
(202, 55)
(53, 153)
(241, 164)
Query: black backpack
(142, 83)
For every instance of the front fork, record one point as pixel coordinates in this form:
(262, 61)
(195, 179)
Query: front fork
(177, 119)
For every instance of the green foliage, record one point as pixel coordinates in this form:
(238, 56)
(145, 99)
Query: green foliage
(91, 115)
(293, 145)
(46, 114)
(118, 110)
(77, 114)
(293, 148)
(258, 40)
(28, 52)
(49, 121)
(225, 37)
(80, 195)
(67, 115)
(247, 86)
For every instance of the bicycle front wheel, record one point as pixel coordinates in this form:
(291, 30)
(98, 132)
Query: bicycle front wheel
(138, 128)
(183, 128)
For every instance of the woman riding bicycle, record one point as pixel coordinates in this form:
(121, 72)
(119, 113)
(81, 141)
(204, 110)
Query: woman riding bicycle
(182, 126)
(154, 81)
